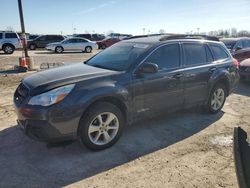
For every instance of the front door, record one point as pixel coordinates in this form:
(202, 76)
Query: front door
(163, 90)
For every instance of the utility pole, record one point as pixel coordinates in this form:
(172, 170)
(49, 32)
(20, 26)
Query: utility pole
(23, 28)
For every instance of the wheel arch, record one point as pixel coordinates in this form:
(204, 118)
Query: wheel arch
(59, 46)
(7, 43)
(224, 80)
(109, 99)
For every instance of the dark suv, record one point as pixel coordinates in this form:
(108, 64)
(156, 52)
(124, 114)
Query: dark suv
(43, 40)
(133, 79)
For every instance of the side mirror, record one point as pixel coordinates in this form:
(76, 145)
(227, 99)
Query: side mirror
(148, 68)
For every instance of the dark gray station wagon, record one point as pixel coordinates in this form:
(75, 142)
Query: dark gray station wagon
(137, 78)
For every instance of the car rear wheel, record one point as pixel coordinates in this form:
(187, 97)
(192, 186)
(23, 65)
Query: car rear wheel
(88, 49)
(8, 49)
(216, 99)
(59, 49)
(101, 126)
(32, 47)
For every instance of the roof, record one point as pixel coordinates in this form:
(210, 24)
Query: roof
(166, 38)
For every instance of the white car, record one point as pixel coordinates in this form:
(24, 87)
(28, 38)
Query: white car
(72, 44)
(9, 41)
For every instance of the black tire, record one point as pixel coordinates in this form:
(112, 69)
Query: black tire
(104, 46)
(32, 47)
(91, 116)
(59, 49)
(8, 49)
(88, 49)
(210, 107)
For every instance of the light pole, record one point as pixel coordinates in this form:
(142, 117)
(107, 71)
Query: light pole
(23, 28)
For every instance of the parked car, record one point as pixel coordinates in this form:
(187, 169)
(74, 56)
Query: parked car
(32, 37)
(72, 44)
(9, 41)
(107, 42)
(92, 37)
(239, 47)
(133, 79)
(43, 40)
(245, 69)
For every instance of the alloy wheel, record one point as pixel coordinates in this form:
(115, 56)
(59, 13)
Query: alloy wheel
(103, 128)
(217, 99)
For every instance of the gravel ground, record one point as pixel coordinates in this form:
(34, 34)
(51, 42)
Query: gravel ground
(184, 149)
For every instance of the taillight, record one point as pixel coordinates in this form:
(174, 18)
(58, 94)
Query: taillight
(236, 63)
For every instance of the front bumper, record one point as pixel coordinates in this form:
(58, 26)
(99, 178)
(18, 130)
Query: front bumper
(54, 123)
(40, 130)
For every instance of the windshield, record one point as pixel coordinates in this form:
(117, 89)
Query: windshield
(118, 57)
(229, 43)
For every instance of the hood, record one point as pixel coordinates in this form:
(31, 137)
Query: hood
(245, 63)
(52, 78)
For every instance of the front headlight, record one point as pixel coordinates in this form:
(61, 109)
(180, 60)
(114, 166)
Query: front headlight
(51, 97)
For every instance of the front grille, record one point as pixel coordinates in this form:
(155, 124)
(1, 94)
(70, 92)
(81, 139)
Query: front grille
(21, 93)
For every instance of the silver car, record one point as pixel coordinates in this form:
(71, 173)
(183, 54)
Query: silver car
(72, 44)
(9, 41)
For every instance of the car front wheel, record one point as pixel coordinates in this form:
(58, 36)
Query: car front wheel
(101, 126)
(216, 99)
(32, 47)
(59, 49)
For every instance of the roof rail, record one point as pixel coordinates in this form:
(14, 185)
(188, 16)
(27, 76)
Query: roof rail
(180, 36)
(141, 36)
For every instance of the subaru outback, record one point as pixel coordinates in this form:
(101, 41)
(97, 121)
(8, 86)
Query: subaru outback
(133, 79)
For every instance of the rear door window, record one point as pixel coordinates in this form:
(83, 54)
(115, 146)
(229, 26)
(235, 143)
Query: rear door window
(81, 40)
(195, 54)
(10, 36)
(218, 52)
(166, 57)
(1, 35)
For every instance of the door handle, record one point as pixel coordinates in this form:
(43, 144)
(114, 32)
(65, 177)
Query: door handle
(178, 75)
(212, 69)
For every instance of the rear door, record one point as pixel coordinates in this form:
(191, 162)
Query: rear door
(70, 44)
(154, 92)
(81, 44)
(198, 69)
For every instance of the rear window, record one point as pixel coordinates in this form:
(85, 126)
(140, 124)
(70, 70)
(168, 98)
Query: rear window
(195, 54)
(1, 35)
(10, 35)
(218, 52)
